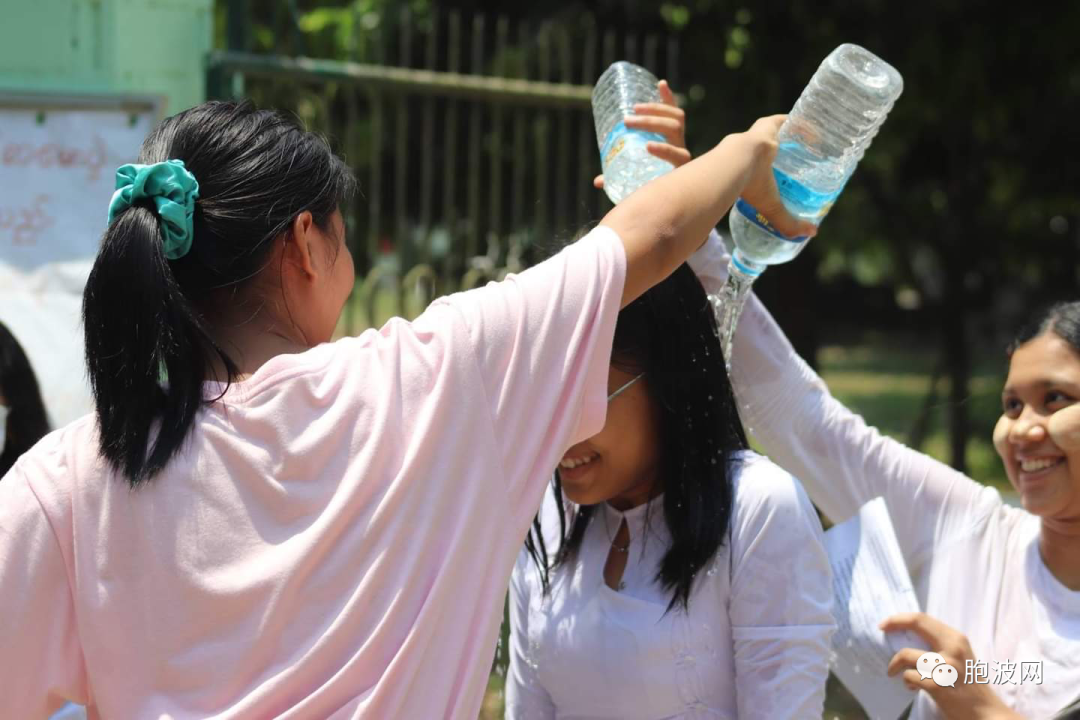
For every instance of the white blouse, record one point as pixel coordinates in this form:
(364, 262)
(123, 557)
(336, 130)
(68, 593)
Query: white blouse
(754, 643)
(973, 559)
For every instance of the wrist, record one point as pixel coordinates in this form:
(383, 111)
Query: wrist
(739, 152)
(760, 147)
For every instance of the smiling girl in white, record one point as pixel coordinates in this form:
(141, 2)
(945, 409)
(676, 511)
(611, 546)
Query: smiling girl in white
(672, 573)
(998, 583)
(679, 574)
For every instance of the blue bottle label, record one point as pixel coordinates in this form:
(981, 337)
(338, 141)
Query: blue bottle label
(750, 213)
(801, 200)
(616, 141)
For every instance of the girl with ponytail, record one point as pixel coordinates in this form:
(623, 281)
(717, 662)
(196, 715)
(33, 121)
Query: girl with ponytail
(258, 521)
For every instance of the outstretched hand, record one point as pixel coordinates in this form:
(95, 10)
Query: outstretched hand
(665, 118)
(963, 700)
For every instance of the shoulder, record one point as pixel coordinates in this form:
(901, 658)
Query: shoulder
(599, 257)
(999, 518)
(49, 472)
(761, 488)
(429, 346)
(776, 535)
(62, 452)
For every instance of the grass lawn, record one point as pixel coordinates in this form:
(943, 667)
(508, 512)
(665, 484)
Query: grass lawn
(886, 380)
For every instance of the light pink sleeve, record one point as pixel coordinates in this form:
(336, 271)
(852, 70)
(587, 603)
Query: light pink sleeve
(39, 647)
(841, 461)
(542, 339)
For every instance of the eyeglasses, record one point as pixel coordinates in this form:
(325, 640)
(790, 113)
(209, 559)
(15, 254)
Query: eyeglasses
(615, 394)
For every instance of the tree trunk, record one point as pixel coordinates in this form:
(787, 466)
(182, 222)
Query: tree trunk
(957, 362)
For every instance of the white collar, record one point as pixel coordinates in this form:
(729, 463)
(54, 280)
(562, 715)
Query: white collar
(636, 517)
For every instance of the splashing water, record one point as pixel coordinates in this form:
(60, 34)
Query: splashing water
(728, 306)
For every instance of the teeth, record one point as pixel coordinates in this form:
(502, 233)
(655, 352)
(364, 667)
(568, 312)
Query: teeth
(1037, 465)
(571, 463)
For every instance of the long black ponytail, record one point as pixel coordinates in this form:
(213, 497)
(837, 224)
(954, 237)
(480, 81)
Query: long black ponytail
(148, 345)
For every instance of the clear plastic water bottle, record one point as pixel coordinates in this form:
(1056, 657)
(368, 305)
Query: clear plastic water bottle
(822, 140)
(624, 156)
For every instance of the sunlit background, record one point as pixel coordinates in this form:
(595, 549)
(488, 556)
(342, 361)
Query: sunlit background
(469, 127)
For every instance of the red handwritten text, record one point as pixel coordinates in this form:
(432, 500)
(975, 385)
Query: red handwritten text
(22, 226)
(92, 156)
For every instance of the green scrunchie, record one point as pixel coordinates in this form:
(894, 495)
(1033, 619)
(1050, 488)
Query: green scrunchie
(173, 190)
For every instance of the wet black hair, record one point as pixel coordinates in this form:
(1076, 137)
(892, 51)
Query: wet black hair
(27, 421)
(670, 333)
(148, 346)
(1062, 319)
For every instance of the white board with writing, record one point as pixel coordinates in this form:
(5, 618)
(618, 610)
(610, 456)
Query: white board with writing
(58, 161)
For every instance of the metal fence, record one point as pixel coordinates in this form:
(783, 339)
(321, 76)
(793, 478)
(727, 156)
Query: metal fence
(472, 137)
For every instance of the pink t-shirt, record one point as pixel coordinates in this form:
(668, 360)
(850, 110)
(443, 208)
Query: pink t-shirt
(336, 538)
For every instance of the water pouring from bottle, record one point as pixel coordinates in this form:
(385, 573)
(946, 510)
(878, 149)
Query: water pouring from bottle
(821, 142)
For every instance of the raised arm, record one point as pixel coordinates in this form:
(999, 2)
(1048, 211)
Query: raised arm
(543, 338)
(663, 222)
(841, 461)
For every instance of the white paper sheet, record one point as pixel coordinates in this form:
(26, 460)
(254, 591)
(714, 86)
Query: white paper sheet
(870, 583)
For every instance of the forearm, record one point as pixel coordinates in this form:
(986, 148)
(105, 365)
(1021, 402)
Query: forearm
(841, 460)
(663, 223)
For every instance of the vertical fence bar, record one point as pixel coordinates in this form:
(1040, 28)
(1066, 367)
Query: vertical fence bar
(295, 34)
(495, 188)
(427, 179)
(610, 49)
(352, 152)
(473, 239)
(450, 170)
(650, 56)
(354, 38)
(673, 61)
(402, 240)
(564, 188)
(542, 131)
(610, 43)
(237, 21)
(517, 201)
(378, 109)
(630, 48)
(587, 150)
